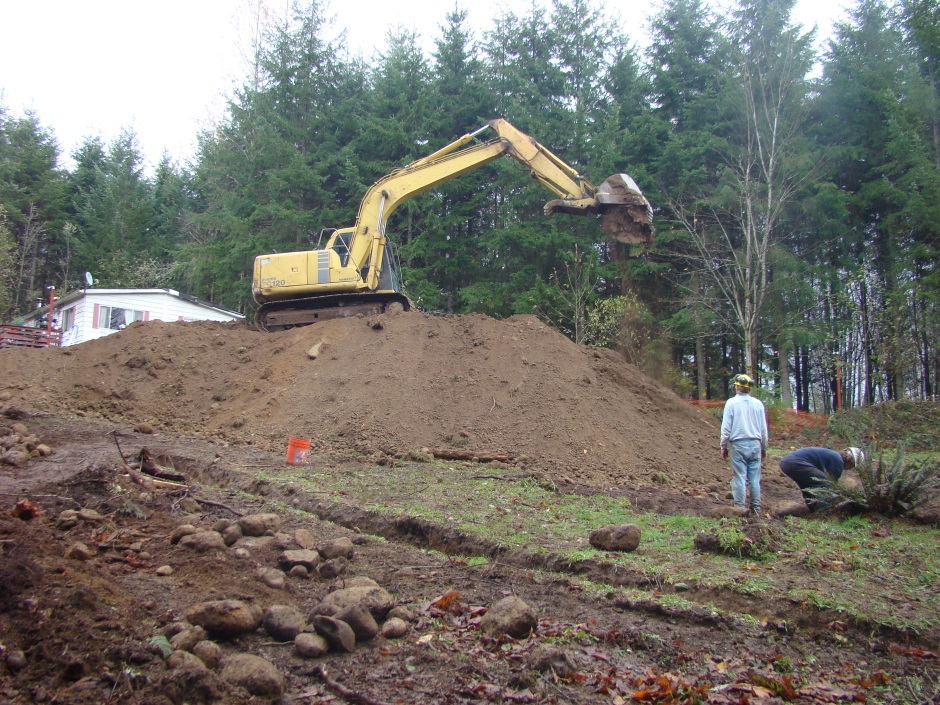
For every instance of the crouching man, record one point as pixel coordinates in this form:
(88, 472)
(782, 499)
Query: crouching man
(810, 468)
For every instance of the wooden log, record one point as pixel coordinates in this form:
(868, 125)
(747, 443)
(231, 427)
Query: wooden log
(447, 454)
(152, 483)
(148, 464)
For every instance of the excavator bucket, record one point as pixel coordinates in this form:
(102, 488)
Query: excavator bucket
(627, 215)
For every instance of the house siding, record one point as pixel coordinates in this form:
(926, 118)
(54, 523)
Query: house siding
(155, 305)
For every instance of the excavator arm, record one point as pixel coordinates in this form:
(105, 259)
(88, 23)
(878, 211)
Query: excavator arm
(575, 194)
(353, 273)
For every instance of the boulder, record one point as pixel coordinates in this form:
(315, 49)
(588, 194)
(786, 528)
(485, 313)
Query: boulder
(185, 660)
(272, 577)
(182, 530)
(299, 571)
(372, 597)
(337, 633)
(394, 628)
(616, 537)
(209, 653)
(311, 645)
(203, 541)
(67, 519)
(79, 552)
(337, 548)
(334, 568)
(256, 675)
(550, 659)
(225, 618)
(304, 539)
(187, 639)
(510, 616)
(283, 622)
(361, 621)
(231, 534)
(259, 524)
(307, 558)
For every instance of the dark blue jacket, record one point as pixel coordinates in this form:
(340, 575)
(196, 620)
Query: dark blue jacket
(829, 461)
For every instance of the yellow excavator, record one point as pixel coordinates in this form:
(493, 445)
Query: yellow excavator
(356, 272)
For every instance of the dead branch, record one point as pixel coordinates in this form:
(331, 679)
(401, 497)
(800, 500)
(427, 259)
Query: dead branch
(114, 435)
(507, 478)
(149, 465)
(152, 483)
(447, 454)
(220, 505)
(350, 695)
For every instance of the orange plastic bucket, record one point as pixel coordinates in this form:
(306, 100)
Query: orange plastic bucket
(297, 451)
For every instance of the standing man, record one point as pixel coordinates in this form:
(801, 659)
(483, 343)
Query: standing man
(815, 467)
(744, 439)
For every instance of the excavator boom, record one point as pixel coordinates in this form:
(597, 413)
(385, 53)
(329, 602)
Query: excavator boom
(355, 274)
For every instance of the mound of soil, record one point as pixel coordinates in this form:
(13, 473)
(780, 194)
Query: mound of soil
(391, 384)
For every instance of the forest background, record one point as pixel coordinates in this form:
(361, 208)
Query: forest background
(796, 192)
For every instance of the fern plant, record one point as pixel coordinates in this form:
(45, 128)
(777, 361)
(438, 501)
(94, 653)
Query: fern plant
(892, 487)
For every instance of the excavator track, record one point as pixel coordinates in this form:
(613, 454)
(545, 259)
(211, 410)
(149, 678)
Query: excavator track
(283, 315)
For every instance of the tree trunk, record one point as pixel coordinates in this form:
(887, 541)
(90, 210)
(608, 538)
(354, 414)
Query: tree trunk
(804, 391)
(783, 357)
(700, 368)
(868, 382)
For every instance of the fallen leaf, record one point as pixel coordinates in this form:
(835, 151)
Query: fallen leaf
(26, 509)
(446, 599)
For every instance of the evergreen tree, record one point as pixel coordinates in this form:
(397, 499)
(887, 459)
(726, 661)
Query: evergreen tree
(689, 65)
(443, 256)
(280, 167)
(114, 209)
(32, 197)
(878, 101)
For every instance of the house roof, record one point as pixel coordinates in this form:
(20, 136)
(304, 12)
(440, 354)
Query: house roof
(81, 293)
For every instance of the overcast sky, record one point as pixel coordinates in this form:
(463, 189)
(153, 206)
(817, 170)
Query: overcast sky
(91, 67)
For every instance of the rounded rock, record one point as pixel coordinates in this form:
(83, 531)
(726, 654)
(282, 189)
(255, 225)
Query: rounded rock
(283, 622)
(311, 645)
(256, 675)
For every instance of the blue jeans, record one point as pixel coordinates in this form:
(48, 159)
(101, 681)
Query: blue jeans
(745, 463)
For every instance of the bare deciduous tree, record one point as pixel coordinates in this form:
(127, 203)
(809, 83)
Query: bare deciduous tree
(764, 164)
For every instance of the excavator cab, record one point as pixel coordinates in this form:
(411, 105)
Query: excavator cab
(340, 246)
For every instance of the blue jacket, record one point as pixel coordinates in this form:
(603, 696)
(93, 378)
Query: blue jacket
(828, 461)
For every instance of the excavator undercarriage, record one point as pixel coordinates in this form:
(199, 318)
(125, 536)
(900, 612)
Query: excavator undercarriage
(283, 315)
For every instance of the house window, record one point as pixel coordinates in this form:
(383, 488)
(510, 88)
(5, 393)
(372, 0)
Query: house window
(117, 318)
(68, 319)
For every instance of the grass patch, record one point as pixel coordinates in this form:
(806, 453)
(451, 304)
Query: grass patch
(883, 571)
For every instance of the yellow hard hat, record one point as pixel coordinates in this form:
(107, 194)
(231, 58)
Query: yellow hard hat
(743, 381)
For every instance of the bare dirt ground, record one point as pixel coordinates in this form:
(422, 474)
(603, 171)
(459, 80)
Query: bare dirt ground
(222, 401)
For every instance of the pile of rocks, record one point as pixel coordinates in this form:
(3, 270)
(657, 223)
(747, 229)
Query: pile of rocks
(18, 445)
(356, 611)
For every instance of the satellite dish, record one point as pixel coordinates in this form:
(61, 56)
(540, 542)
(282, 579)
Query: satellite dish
(89, 280)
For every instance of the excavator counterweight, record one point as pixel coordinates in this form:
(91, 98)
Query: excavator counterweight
(356, 272)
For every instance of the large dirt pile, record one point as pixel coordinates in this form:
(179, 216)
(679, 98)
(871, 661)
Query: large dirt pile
(387, 385)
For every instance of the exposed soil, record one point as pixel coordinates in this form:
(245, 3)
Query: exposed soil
(224, 399)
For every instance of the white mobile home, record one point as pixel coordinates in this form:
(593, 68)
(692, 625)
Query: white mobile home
(93, 313)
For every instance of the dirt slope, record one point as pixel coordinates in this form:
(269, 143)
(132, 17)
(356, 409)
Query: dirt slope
(391, 384)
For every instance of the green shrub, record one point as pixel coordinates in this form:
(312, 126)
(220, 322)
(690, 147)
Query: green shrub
(915, 423)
